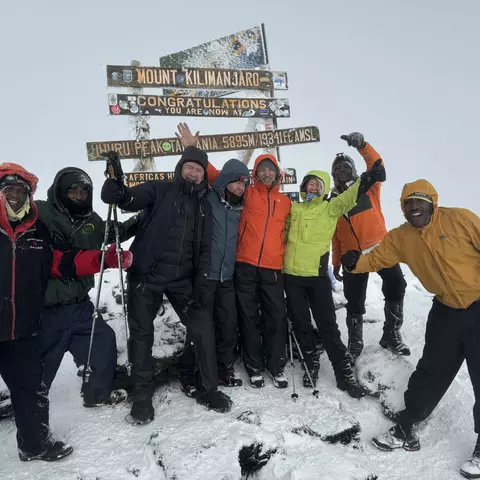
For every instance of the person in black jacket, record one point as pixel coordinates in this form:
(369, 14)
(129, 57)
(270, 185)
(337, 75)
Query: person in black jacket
(226, 199)
(28, 260)
(67, 317)
(172, 252)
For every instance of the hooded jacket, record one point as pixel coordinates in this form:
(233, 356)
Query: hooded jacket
(364, 225)
(444, 255)
(225, 219)
(310, 228)
(85, 231)
(173, 212)
(28, 260)
(262, 222)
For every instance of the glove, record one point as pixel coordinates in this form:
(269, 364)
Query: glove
(114, 167)
(336, 273)
(113, 192)
(369, 178)
(111, 260)
(354, 139)
(350, 259)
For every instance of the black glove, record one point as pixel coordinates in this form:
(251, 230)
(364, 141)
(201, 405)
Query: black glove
(350, 259)
(354, 139)
(369, 178)
(114, 167)
(113, 193)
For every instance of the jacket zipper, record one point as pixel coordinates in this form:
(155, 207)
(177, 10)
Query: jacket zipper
(14, 311)
(183, 237)
(274, 205)
(224, 245)
(265, 232)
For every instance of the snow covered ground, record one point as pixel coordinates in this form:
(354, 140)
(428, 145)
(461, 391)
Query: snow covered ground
(325, 438)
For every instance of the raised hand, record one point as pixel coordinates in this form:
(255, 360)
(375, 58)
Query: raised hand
(354, 139)
(185, 135)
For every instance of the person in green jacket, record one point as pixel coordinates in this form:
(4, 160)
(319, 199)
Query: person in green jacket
(66, 319)
(309, 232)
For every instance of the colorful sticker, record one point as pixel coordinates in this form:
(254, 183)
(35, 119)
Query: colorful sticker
(112, 99)
(127, 75)
(115, 109)
(166, 146)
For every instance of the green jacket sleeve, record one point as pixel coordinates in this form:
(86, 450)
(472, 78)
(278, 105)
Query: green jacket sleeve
(344, 202)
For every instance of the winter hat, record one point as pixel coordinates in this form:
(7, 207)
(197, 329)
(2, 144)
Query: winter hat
(420, 196)
(14, 179)
(341, 158)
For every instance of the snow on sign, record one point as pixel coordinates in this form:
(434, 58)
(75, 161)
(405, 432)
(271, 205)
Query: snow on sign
(243, 49)
(161, 147)
(289, 177)
(125, 104)
(155, 77)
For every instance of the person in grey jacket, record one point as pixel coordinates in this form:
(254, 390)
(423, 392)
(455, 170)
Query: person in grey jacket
(226, 199)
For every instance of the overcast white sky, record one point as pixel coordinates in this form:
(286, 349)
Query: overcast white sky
(405, 73)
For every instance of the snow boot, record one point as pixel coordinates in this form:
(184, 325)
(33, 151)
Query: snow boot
(392, 338)
(215, 400)
(350, 385)
(280, 380)
(471, 468)
(142, 412)
(395, 438)
(312, 362)
(230, 381)
(115, 398)
(52, 451)
(257, 380)
(355, 336)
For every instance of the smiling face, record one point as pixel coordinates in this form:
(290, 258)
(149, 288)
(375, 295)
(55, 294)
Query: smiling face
(237, 188)
(193, 172)
(343, 173)
(418, 212)
(16, 196)
(315, 186)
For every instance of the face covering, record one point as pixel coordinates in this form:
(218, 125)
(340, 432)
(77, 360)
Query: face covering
(17, 216)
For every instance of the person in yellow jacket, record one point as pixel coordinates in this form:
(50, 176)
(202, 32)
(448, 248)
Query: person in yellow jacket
(442, 248)
(309, 231)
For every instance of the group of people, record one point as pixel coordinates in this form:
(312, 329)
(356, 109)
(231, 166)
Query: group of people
(232, 254)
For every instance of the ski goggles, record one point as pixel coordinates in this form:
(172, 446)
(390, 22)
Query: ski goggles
(420, 196)
(12, 183)
(245, 179)
(79, 187)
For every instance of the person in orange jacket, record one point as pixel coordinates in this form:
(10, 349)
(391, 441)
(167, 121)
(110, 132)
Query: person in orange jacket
(442, 248)
(363, 228)
(258, 272)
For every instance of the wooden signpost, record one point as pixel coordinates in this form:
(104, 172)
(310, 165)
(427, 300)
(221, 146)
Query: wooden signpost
(161, 147)
(211, 78)
(127, 104)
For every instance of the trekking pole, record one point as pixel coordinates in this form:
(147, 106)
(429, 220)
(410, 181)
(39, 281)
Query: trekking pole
(128, 364)
(96, 314)
(304, 363)
(292, 364)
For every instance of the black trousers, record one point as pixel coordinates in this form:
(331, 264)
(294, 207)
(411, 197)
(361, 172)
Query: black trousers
(144, 301)
(67, 328)
(21, 370)
(263, 336)
(451, 337)
(355, 288)
(315, 294)
(222, 307)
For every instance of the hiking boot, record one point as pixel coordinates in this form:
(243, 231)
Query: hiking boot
(471, 468)
(395, 439)
(280, 381)
(355, 336)
(257, 380)
(350, 385)
(115, 398)
(53, 451)
(142, 412)
(215, 400)
(392, 338)
(230, 381)
(306, 381)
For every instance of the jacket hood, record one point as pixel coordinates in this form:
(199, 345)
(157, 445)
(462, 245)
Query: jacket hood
(267, 156)
(342, 158)
(53, 194)
(419, 186)
(323, 176)
(192, 154)
(8, 168)
(232, 171)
